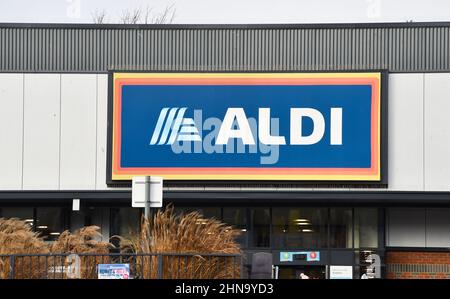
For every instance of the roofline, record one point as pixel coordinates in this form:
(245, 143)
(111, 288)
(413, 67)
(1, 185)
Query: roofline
(227, 26)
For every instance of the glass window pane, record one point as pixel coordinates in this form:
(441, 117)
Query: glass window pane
(237, 218)
(180, 210)
(104, 218)
(210, 212)
(259, 233)
(50, 222)
(21, 213)
(25, 214)
(77, 219)
(366, 227)
(299, 227)
(129, 221)
(341, 232)
(207, 212)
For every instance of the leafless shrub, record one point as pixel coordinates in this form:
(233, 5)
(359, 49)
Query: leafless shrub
(99, 17)
(165, 17)
(131, 16)
(140, 15)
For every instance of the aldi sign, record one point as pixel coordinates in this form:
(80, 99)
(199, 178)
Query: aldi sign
(246, 126)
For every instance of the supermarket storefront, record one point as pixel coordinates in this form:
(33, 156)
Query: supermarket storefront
(322, 144)
(316, 128)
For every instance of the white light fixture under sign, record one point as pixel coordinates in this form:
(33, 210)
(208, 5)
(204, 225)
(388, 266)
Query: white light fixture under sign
(75, 204)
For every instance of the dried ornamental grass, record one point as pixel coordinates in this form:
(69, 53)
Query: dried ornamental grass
(167, 233)
(17, 237)
(190, 233)
(83, 241)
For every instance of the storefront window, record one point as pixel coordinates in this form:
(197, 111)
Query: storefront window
(260, 227)
(207, 212)
(210, 212)
(50, 222)
(237, 217)
(366, 228)
(78, 219)
(103, 217)
(129, 221)
(299, 227)
(341, 228)
(26, 214)
(47, 221)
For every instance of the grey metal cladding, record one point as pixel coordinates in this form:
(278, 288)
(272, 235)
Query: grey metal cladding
(53, 48)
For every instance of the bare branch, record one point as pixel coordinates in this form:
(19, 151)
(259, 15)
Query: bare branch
(125, 17)
(99, 17)
(136, 16)
(140, 16)
(146, 15)
(173, 16)
(165, 17)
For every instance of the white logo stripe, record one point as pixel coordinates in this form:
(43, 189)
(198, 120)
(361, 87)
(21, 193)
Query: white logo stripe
(188, 129)
(158, 127)
(176, 125)
(168, 126)
(171, 121)
(186, 137)
(188, 122)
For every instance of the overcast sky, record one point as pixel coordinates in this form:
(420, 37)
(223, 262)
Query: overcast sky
(231, 11)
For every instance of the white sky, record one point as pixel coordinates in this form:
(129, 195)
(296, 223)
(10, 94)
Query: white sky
(231, 11)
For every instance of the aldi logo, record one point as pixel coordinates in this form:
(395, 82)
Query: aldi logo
(180, 128)
(247, 126)
(184, 129)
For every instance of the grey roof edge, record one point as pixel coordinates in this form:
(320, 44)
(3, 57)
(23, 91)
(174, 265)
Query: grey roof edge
(228, 26)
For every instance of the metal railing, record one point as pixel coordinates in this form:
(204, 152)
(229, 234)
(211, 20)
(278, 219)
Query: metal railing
(141, 266)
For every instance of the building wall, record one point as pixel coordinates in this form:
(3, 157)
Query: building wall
(53, 130)
(418, 227)
(417, 265)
